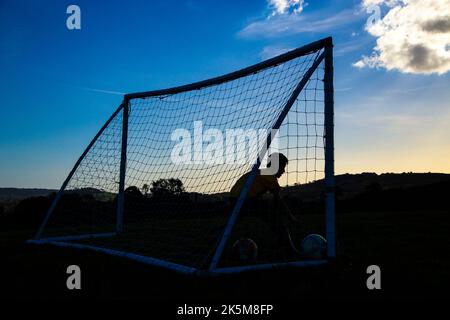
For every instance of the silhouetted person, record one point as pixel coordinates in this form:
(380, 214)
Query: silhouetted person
(266, 181)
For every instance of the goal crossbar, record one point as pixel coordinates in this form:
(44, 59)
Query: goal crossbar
(304, 50)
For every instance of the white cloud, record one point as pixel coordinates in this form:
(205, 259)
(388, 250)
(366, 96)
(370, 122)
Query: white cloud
(413, 37)
(286, 6)
(273, 51)
(344, 48)
(372, 62)
(390, 3)
(101, 90)
(294, 24)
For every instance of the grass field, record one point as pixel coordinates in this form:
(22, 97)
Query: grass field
(411, 248)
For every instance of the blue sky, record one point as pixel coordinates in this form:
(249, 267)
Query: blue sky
(60, 85)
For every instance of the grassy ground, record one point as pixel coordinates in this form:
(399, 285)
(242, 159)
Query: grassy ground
(411, 248)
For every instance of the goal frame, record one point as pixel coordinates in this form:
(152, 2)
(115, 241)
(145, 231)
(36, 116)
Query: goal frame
(327, 57)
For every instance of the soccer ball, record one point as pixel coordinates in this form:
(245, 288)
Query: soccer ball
(245, 250)
(314, 246)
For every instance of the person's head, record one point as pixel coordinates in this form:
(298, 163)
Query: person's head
(282, 162)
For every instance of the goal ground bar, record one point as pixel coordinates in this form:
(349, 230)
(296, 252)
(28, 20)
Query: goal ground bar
(266, 266)
(78, 237)
(178, 267)
(136, 257)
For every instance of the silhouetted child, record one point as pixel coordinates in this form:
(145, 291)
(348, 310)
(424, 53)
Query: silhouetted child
(266, 181)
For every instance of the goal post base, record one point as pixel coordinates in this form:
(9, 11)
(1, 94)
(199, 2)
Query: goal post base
(118, 253)
(268, 266)
(174, 266)
(77, 237)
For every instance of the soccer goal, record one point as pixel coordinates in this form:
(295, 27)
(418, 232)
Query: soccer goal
(154, 184)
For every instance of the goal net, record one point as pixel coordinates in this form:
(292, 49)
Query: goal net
(154, 184)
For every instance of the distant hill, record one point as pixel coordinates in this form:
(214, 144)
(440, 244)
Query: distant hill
(430, 196)
(349, 185)
(366, 192)
(22, 193)
(353, 183)
(10, 194)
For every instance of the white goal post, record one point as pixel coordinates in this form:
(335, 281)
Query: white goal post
(127, 196)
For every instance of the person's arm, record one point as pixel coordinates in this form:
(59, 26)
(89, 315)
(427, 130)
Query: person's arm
(282, 208)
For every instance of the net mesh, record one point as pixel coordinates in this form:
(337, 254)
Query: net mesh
(185, 151)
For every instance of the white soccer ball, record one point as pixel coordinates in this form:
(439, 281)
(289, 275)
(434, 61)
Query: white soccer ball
(245, 250)
(314, 246)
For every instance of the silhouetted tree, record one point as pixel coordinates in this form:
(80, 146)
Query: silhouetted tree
(145, 189)
(167, 187)
(133, 191)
